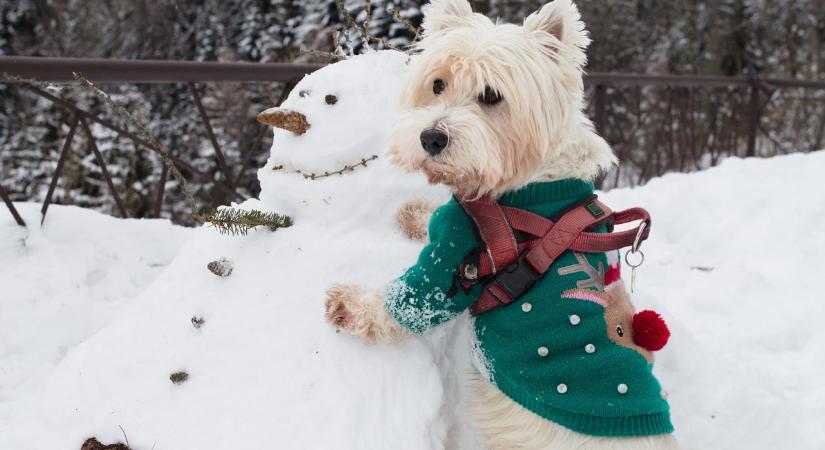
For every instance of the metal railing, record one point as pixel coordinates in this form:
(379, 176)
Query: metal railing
(143, 71)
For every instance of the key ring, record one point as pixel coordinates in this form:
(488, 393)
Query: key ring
(637, 252)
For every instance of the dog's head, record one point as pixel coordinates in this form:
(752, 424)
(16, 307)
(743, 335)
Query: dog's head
(490, 107)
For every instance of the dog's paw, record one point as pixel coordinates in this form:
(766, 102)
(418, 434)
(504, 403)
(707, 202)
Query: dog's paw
(359, 312)
(341, 306)
(413, 218)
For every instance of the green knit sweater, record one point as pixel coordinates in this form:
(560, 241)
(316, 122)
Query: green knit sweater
(550, 354)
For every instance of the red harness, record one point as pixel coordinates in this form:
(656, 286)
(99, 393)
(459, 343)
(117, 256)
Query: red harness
(508, 268)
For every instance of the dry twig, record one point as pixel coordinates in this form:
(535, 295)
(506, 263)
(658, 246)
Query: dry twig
(314, 176)
(141, 129)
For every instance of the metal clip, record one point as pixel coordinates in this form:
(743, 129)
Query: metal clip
(634, 250)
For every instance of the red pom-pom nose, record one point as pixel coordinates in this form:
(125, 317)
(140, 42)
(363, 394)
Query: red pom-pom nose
(650, 330)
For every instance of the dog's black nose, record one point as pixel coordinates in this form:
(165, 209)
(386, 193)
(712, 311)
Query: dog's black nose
(434, 141)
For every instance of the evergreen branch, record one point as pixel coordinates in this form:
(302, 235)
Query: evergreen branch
(144, 132)
(347, 168)
(238, 222)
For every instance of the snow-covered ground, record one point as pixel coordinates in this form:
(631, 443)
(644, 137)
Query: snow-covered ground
(99, 314)
(62, 283)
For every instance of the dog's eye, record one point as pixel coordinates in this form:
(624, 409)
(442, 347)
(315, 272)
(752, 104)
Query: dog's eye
(439, 86)
(490, 97)
(619, 331)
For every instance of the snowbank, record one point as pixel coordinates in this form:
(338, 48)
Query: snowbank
(731, 264)
(61, 283)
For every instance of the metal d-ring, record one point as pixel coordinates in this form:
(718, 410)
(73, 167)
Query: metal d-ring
(637, 252)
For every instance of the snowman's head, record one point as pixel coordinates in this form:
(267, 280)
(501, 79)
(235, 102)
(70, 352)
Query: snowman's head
(337, 115)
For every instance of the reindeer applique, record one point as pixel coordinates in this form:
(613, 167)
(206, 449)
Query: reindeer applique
(644, 332)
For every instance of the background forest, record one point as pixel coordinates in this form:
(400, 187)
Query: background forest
(653, 129)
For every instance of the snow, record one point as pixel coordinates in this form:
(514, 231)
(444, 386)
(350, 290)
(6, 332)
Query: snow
(61, 283)
(733, 265)
(266, 371)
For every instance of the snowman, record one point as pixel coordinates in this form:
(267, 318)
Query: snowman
(264, 370)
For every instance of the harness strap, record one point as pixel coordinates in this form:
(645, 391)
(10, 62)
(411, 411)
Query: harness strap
(564, 232)
(495, 231)
(514, 267)
(585, 242)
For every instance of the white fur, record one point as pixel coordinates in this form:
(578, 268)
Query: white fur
(537, 132)
(361, 312)
(508, 426)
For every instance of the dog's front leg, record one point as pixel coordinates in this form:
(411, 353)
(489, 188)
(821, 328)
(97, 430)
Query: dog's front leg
(413, 218)
(361, 312)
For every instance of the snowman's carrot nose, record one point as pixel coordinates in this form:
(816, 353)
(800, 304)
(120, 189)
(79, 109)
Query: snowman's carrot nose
(285, 119)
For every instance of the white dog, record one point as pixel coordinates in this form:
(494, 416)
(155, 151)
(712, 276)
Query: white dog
(495, 111)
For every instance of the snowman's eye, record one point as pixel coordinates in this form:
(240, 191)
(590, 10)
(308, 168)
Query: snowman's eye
(331, 99)
(619, 330)
(303, 94)
(439, 86)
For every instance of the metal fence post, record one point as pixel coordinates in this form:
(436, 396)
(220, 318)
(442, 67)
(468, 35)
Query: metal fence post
(211, 134)
(7, 200)
(164, 174)
(62, 160)
(600, 121)
(103, 169)
(600, 117)
(753, 117)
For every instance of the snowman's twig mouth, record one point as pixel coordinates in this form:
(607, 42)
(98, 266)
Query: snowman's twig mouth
(285, 119)
(316, 175)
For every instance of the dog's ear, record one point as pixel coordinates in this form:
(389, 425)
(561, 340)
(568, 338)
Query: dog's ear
(442, 14)
(560, 19)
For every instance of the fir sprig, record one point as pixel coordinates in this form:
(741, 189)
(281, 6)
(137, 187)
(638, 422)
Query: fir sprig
(239, 221)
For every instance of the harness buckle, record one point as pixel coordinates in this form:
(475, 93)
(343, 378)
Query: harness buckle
(515, 280)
